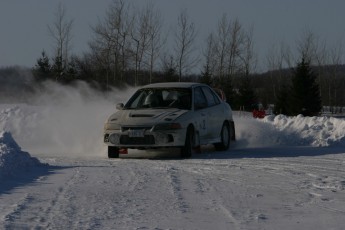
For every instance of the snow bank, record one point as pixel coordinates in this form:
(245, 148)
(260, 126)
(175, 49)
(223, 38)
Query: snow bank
(12, 158)
(310, 131)
(253, 133)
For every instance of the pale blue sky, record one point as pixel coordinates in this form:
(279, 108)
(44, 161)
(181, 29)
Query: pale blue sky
(23, 23)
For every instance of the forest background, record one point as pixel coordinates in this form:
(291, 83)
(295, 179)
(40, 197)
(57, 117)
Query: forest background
(130, 48)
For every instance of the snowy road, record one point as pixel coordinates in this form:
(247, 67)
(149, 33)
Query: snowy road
(282, 173)
(267, 188)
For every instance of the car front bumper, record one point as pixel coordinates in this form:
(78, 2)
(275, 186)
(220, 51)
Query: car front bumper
(146, 140)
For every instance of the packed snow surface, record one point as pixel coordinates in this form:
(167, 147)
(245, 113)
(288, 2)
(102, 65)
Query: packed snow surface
(281, 173)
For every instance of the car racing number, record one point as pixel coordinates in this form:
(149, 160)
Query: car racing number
(203, 124)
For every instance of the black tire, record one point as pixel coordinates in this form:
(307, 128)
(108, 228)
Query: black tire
(113, 152)
(225, 136)
(233, 132)
(186, 150)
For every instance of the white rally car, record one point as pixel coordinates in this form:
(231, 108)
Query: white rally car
(181, 115)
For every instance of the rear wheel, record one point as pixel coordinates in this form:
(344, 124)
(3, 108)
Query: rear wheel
(186, 150)
(225, 138)
(113, 152)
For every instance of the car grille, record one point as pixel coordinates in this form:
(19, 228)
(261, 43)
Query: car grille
(146, 140)
(125, 128)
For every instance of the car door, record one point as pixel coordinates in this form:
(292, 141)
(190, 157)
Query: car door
(214, 113)
(200, 110)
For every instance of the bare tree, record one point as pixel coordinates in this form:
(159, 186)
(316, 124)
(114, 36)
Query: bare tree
(248, 57)
(169, 67)
(278, 58)
(60, 31)
(288, 59)
(155, 39)
(111, 43)
(334, 88)
(185, 35)
(237, 41)
(307, 46)
(233, 49)
(128, 38)
(141, 35)
(222, 45)
(209, 55)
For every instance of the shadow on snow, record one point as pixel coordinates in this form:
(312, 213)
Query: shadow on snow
(238, 152)
(26, 177)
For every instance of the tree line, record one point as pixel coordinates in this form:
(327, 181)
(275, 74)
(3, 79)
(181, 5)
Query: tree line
(129, 46)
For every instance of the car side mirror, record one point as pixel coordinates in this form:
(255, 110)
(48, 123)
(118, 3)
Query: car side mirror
(119, 106)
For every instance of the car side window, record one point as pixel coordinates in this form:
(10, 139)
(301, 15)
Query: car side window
(200, 101)
(216, 96)
(210, 97)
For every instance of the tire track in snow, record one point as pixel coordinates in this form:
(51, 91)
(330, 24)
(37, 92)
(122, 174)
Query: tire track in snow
(10, 220)
(176, 188)
(63, 203)
(138, 192)
(47, 211)
(248, 193)
(37, 210)
(196, 194)
(210, 175)
(317, 183)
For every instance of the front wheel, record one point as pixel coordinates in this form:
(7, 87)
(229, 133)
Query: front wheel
(233, 132)
(225, 138)
(113, 152)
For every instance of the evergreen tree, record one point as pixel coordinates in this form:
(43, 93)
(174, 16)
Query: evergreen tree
(57, 69)
(42, 69)
(282, 102)
(305, 94)
(206, 76)
(225, 84)
(71, 72)
(170, 75)
(246, 95)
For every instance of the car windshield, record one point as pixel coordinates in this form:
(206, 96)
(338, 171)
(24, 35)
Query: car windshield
(160, 98)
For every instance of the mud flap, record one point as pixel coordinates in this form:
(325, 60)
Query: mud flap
(123, 151)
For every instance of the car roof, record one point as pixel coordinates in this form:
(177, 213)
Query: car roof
(173, 85)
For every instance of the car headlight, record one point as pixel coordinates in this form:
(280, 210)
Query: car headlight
(167, 126)
(112, 126)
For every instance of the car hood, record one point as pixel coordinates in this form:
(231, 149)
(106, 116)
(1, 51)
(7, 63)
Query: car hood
(145, 116)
